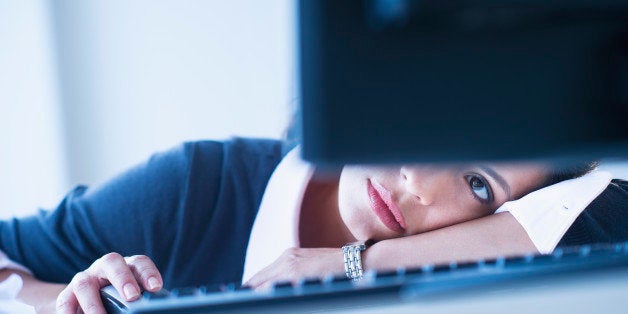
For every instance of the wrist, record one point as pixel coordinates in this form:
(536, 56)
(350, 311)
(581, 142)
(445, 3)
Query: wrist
(369, 257)
(352, 258)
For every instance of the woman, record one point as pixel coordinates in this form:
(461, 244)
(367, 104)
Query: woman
(185, 218)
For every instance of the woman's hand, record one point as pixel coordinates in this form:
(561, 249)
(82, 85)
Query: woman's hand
(297, 263)
(126, 274)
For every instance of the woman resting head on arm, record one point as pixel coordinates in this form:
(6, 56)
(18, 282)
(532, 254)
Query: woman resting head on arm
(362, 202)
(423, 214)
(381, 203)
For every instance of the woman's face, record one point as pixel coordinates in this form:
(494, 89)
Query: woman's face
(388, 202)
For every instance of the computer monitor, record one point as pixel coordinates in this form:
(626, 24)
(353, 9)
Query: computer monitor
(433, 81)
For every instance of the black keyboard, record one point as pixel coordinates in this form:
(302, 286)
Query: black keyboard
(378, 288)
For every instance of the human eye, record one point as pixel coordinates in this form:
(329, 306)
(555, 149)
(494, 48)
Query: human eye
(480, 188)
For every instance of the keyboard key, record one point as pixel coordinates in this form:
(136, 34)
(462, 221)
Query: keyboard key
(182, 292)
(282, 285)
(386, 274)
(230, 287)
(308, 282)
(585, 250)
(571, 253)
(467, 265)
(488, 262)
(211, 288)
(333, 279)
(600, 248)
(494, 262)
(519, 260)
(243, 288)
(416, 271)
(544, 259)
(341, 278)
(161, 294)
(442, 268)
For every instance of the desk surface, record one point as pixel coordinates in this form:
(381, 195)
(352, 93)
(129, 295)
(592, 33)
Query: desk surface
(597, 292)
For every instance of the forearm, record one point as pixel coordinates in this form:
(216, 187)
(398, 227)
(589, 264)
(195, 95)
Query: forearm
(41, 295)
(491, 236)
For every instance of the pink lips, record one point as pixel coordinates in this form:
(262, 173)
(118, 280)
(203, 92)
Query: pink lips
(384, 207)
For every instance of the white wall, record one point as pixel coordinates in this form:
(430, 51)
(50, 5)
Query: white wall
(32, 163)
(89, 88)
(144, 75)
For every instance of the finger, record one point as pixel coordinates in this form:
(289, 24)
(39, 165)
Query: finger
(87, 291)
(145, 272)
(267, 276)
(265, 286)
(284, 268)
(66, 302)
(113, 267)
(261, 276)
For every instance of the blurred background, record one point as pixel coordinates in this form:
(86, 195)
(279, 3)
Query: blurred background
(90, 88)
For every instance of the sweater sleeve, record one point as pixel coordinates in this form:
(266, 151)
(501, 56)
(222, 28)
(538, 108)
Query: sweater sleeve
(604, 220)
(129, 214)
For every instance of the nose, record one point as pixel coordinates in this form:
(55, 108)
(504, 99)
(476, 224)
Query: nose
(421, 182)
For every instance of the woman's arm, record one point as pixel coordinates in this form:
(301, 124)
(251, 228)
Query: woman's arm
(41, 295)
(133, 213)
(487, 237)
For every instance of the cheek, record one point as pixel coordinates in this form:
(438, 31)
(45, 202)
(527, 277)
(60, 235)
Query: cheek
(352, 186)
(452, 207)
(349, 184)
(349, 198)
(353, 203)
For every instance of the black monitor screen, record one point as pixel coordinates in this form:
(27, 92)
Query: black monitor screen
(397, 81)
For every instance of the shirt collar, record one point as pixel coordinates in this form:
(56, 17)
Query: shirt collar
(276, 225)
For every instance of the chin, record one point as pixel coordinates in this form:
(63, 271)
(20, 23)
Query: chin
(365, 231)
(384, 236)
(357, 225)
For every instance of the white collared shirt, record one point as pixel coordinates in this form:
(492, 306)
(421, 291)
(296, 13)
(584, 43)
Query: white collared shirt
(547, 214)
(276, 226)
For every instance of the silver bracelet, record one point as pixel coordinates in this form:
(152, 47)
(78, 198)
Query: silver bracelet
(353, 259)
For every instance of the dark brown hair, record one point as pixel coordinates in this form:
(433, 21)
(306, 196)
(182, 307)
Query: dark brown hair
(561, 172)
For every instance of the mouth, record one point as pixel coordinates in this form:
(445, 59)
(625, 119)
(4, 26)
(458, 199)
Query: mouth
(384, 207)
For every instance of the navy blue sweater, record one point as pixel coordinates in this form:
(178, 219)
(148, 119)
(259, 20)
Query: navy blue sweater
(604, 220)
(190, 209)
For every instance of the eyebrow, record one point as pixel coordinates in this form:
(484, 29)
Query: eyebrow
(497, 177)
